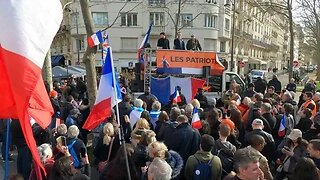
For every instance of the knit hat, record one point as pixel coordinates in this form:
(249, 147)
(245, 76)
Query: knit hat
(53, 93)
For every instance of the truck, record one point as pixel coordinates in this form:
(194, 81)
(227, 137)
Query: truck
(199, 64)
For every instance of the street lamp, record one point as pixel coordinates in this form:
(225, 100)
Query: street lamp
(232, 28)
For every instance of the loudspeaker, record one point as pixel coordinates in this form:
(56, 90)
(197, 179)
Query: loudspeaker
(137, 68)
(206, 71)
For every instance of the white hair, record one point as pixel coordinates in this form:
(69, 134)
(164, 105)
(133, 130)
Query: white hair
(138, 103)
(317, 95)
(159, 169)
(44, 151)
(188, 109)
(73, 131)
(156, 106)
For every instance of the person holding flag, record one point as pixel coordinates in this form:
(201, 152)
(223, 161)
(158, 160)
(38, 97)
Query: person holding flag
(108, 95)
(178, 98)
(196, 122)
(144, 44)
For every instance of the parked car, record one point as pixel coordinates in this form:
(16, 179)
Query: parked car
(259, 73)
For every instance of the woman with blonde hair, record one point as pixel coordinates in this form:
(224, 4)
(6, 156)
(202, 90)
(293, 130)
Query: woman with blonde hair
(141, 126)
(107, 145)
(159, 150)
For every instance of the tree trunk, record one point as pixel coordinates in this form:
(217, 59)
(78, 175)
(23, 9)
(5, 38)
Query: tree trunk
(47, 70)
(290, 68)
(89, 55)
(318, 71)
(177, 19)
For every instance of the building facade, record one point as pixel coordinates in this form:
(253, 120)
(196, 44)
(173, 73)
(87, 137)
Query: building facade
(258, 44)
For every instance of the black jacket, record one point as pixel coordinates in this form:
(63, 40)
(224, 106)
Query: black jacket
(164, 43)
(166, 131)
(260, 86)
(203, 100)
(183, 100)
(184, 140)
(271, 119)
(291, 87)
(276, 84)
(269, 148)
(193, 45)
(179, 44)
(304, 125)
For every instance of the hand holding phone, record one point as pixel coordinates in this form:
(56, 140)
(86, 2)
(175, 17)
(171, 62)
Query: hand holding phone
(61, 141)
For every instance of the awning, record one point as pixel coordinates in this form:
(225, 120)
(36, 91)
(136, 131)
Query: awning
(79, 69)
(256, 61)
(60, 72)
(57, 60)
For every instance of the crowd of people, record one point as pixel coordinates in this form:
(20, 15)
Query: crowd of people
(255, 134)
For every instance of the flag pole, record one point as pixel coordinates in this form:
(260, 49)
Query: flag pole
(115, 89)
(118, 116)
(6, 165)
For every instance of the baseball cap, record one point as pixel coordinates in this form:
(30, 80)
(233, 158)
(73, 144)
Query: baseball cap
(257, 122)
(295, 134)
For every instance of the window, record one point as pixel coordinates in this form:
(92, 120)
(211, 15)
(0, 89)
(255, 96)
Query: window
(129, 43)
(210, 20)
(222, 46)
(129, 19)
(100, 18)
(79, 44)
(185, 20)
(227, 24)
(157, 18)
(212, 1)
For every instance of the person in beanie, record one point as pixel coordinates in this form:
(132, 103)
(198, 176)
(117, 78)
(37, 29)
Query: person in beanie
(205, 156)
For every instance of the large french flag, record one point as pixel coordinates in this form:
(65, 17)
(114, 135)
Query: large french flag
(164, 87)
(282, 127)
(143, 44)
(108, 95)
(196, 122)
(25, 38)
(95, 39)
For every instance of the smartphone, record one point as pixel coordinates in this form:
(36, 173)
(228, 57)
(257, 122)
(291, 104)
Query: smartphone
(83, 152)
(62, 141)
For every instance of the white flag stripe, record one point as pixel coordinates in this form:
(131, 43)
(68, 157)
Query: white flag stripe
(35, 40)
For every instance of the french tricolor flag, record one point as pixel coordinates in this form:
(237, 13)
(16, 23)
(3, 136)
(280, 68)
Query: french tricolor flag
(25, 38)
(95, 39)
(176, 96)
(196, 122)
(108, 95)
(282, 127)
(143, 44)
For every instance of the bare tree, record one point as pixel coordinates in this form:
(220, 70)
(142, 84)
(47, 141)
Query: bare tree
(89, 55)
(310, 16)
(175, 16)
(284, 8)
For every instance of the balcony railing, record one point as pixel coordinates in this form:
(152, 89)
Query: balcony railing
(260, 43)
(157, 3)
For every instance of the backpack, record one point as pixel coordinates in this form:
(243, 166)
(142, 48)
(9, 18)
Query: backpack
(76, 162)
(226, 157)
(202, 170)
